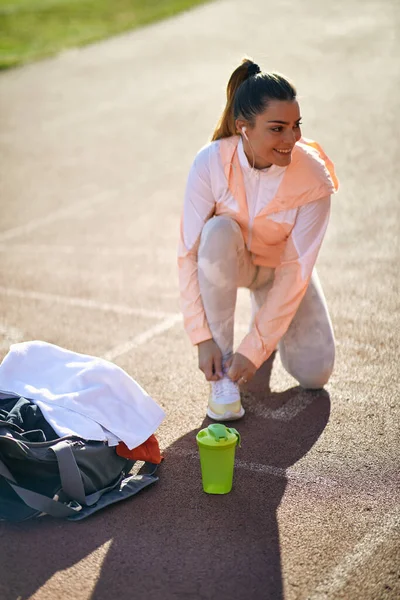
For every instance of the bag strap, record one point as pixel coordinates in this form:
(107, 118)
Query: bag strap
(70, 475)
(38, 501)
(128, 487)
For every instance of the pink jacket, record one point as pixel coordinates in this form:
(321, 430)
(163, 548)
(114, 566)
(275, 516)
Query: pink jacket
(310, 177)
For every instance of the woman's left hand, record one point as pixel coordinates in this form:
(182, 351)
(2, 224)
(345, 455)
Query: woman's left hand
(240, 368)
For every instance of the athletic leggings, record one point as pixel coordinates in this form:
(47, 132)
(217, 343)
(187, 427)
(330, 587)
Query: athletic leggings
(307, 349)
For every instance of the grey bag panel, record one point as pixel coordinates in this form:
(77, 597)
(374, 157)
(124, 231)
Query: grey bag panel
(99, 464)
(28, 470)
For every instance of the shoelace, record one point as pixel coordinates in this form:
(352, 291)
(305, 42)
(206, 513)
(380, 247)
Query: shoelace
(225, 387)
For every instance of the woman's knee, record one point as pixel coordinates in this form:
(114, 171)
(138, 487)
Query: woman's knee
(218, 233)
(312, 369)
(316, 373)
(314, 380)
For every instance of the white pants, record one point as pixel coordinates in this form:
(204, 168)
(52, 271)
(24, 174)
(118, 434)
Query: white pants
(307, 349)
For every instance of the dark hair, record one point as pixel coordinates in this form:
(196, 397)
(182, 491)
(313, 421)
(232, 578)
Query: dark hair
(248, 93)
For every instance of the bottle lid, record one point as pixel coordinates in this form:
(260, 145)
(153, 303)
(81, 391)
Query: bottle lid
(218, 435)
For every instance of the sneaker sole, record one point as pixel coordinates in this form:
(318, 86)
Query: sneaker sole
(228, 416)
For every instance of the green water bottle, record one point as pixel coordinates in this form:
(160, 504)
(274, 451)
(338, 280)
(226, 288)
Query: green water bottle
(217, 445)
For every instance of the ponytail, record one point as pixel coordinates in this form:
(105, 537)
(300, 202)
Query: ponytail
(247, 95)
(226, 124)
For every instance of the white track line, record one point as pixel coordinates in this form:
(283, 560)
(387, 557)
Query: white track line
(284, 413)
(63, 249)
(9, 335)
(57, 215)
(290, 474)
(338, 578)
(142, 337)
(347, 343)
(85, 303)
(107, 251)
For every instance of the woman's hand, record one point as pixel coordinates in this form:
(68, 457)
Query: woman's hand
(240, 368)
(210, 360)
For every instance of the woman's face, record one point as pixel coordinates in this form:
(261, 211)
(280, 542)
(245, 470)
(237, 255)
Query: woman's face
(271, 139)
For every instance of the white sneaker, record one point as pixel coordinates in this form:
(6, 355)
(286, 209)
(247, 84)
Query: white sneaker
(224, 402)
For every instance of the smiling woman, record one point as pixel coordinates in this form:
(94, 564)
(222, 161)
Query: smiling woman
(256, 209)
(264, 107)
(32, 29)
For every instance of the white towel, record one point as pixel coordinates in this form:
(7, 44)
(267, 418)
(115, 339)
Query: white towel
(80, 394)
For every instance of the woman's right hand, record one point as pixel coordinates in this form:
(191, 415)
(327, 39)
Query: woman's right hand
(210, 360)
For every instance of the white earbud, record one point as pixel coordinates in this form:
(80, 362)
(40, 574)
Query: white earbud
(251, 147)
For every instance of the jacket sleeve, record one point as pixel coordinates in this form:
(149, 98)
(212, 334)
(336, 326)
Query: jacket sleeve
(291, 279)
(199, 206)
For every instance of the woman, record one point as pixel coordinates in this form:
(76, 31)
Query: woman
(256, 209)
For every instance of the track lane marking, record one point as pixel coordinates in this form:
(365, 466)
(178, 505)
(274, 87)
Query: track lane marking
(9, 335)
(107, 251)
(86, 303)
(285, 413)
(340, 575)
(143, 337)
(55, 216)
(293, 475)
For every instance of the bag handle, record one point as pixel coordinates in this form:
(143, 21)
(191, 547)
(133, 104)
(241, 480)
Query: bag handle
(70, 475)
(38, 501)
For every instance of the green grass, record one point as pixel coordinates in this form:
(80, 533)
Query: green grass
(32, 29)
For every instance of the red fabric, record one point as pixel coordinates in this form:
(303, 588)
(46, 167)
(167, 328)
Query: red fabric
(149, 451)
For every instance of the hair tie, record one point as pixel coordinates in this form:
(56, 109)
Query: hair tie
(253, 69)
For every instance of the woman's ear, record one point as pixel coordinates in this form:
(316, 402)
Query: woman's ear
(239, 124)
